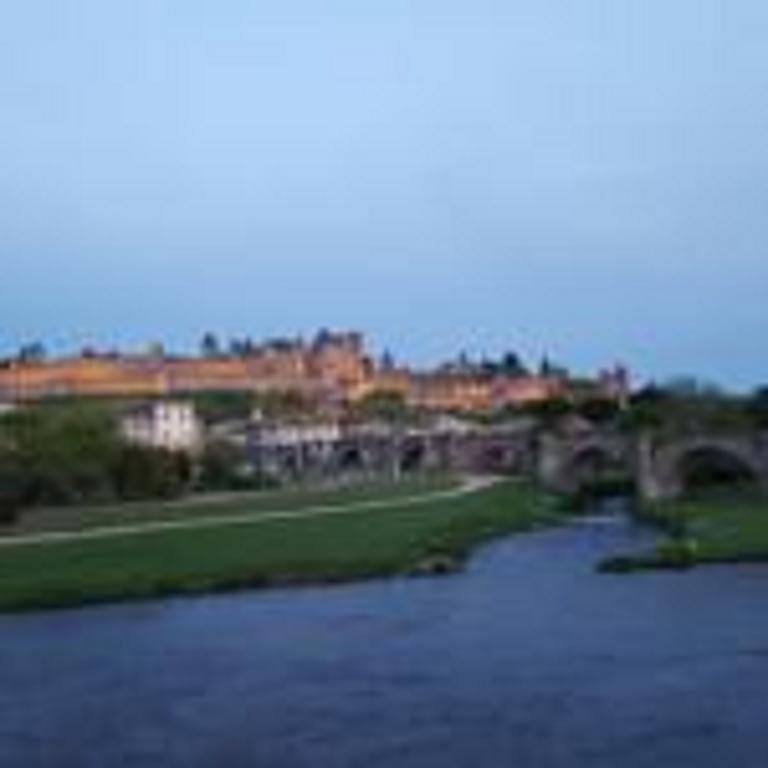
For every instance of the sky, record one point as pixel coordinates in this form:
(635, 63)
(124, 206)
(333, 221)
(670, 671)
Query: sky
(585, 179)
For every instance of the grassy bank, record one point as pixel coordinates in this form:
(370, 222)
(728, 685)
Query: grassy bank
(322, 548)
(209, 505)
(715, 529)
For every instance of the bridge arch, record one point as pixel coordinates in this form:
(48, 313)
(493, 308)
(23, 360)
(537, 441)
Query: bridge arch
(350, 457)
(413, 456)
(499, 456)
(594, 462)
(708, 464)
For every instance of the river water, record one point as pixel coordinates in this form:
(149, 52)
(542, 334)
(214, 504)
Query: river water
(529, 658)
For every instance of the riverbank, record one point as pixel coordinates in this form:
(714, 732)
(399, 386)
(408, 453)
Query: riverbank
(359, 541)
(698, 531)
(217, 505)
(529, 659)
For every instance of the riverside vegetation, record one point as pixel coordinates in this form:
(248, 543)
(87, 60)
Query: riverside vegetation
(722, 527)
(57, 462)
(433, 536)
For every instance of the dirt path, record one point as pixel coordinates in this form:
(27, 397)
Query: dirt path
(469, 485)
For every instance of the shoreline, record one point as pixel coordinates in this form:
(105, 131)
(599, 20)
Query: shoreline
(696, 532)
(437, 535)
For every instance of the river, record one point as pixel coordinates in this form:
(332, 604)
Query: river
(529, 658)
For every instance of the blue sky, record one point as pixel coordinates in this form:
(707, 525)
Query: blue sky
(584, 178)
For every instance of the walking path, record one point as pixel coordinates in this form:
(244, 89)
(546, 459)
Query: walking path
(469, 485)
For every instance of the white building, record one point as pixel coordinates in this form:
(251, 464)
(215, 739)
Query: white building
(170, 424)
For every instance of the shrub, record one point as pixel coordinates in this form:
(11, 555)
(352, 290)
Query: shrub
(677, 553)
(140, 472)
(10, 496)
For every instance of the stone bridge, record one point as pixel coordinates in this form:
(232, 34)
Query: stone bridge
(659, 466)
(498, 451)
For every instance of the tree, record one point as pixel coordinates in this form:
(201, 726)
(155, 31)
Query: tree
(386, 405)
(11, 492)
(221, 405)
(512, 364)
(599, 410)
(62, 452)
(224, 467)
(757, 407)
(549, 412)
(283, 404)
(140, 472)
(645, 410)
(685, 406)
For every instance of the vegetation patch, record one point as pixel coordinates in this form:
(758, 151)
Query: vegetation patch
(714, 528)
(319, 548)
(218, 505)
(591, 492)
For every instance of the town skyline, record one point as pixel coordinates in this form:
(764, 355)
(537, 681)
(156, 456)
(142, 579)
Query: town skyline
(238, 344)
(329, 369)
(234, 344)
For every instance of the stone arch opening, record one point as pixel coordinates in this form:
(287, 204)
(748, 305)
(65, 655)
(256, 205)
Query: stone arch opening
(287, 462)
(708, 469)
(413, 457)
(497, 458)
(596, 471)
(351, 458)
(593, 462)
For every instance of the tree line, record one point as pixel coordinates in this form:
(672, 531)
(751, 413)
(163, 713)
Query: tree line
(57, 454)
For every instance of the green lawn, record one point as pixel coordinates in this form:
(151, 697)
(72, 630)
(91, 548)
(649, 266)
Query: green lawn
(723, 529)
(705, 530)
(393, 540)
(82, 518)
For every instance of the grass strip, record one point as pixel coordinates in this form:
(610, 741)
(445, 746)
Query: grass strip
(702, 530)
(210, 505)
(316, 549)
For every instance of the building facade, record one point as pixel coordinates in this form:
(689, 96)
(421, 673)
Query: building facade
(169, 424)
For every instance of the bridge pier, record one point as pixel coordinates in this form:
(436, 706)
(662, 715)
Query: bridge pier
(550, 464)
(651, 486)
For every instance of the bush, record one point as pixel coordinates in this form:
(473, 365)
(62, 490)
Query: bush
(10, 497)
(10, 508)
(677, 553)
(140, 472)
(599, 410)
(593, 491)
(757, 408)
(549, 412)
(59, 454)
(223, 467)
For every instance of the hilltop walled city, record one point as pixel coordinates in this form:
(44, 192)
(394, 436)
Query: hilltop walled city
(332, 369)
